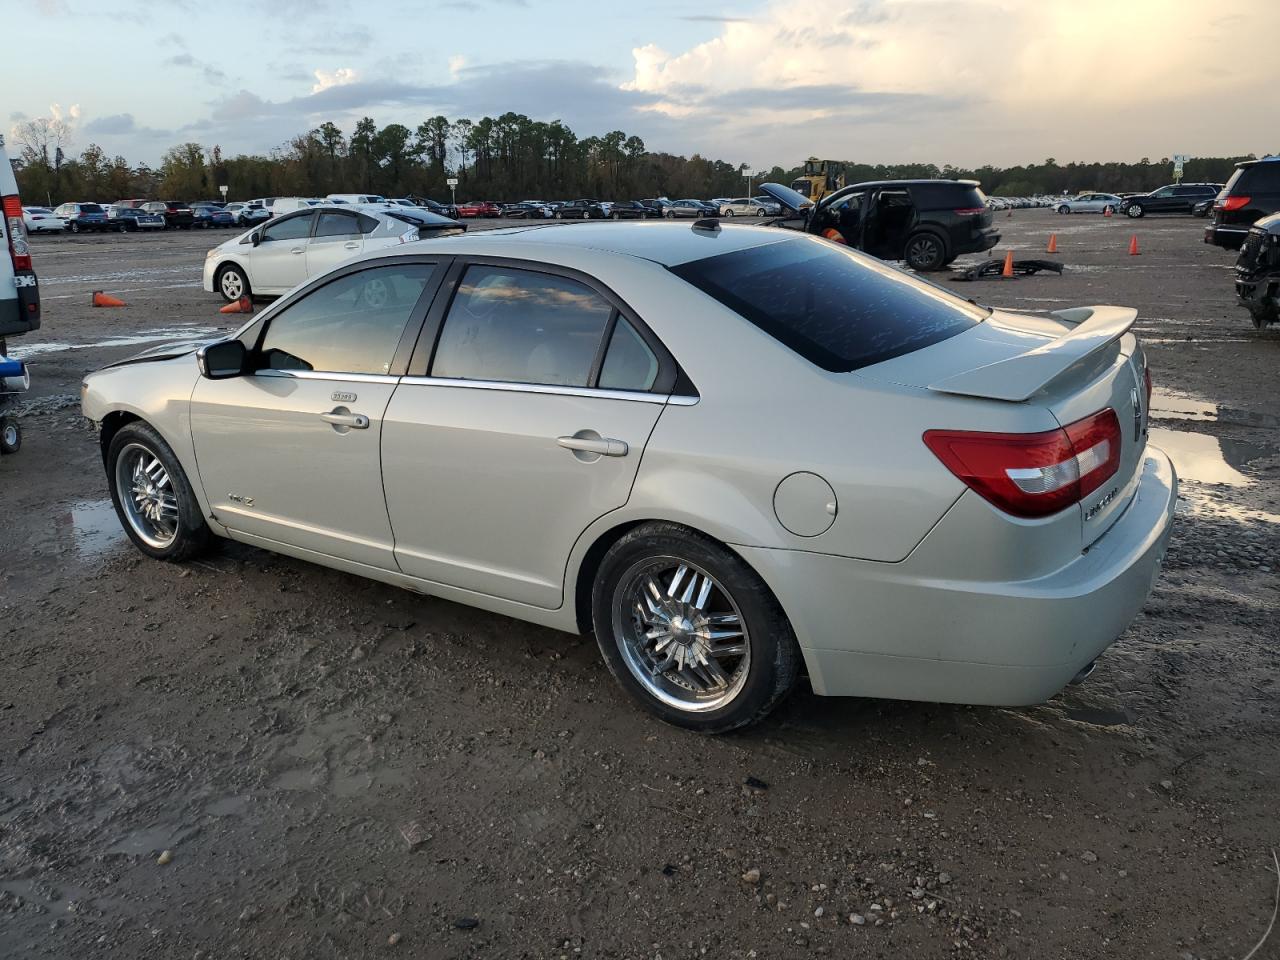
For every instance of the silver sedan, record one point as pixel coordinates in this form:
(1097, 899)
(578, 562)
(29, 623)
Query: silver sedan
(735, 455)
(1089, 203)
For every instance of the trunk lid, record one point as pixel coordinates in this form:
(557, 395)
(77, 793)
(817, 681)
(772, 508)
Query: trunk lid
(1074, 363)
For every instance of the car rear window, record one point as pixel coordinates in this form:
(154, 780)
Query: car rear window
(837, 308)
(1260, 176)
(90, 208)
(947, 196)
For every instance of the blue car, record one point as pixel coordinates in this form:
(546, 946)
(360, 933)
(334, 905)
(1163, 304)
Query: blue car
(84, 216)
(207, 215)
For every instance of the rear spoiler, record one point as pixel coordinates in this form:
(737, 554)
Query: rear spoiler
(1023, 376)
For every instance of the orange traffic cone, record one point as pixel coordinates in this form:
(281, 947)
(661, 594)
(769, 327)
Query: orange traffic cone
(1053, 244)
(1106, 211)
(1133, 245)
(243, 305)
(101, 299)
(1008, 265)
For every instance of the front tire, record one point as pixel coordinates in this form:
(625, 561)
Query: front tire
(232, 283)
(1064, 209)
(10, 435)
(690, 631)
(1134, 211)
(152, 496)
(925, 251)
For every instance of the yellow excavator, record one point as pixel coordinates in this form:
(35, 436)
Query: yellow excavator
(821, 177)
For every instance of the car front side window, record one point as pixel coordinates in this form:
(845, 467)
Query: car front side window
(519, 326)
(350, 325)
(288, 228)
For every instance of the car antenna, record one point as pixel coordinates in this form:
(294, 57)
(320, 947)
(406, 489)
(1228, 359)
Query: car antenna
(710, 224)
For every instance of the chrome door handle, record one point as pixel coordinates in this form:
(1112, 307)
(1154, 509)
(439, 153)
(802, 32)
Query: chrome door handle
(352, 244)
(603, 447)
(357, 421)
(295, 250)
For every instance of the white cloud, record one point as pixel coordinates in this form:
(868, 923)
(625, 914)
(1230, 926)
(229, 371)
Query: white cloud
(1036, 78)
(334, 78)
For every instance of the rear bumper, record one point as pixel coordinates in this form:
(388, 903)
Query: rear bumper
(1224, 235)
(878, 630)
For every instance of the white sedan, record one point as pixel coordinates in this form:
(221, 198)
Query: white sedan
(1089, 203)
(274, 258)
(728, 453)
(42, 220)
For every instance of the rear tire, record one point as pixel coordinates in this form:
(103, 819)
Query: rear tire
(925, 251)
(720, 614)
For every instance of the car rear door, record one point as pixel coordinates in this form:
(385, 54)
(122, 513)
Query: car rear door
(279, 262)
(527, 426)
(289, 453)
(337, 236)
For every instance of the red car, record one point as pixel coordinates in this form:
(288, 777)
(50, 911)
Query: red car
(479, 208)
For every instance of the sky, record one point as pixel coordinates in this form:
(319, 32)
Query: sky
(759, 82)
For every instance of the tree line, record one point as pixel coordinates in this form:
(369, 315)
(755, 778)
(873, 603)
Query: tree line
(510, 157)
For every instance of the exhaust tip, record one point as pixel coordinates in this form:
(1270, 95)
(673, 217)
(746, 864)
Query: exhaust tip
(1084, 673)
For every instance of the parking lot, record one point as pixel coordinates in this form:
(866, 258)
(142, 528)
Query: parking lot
(338, 768)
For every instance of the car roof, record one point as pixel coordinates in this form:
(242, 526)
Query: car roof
(917, 182)
(668, 244)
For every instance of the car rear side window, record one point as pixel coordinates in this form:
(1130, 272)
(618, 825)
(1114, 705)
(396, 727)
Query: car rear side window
(947, 196)
(518, 326)
(350, 325)
(837, 308)
(629, 364)
(336, 225)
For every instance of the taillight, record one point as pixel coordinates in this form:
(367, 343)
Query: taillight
(970, 211)
(19, 249)
(1033, 474)
(1235, 203)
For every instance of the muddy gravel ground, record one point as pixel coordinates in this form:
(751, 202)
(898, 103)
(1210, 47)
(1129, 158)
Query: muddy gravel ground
(341, 769)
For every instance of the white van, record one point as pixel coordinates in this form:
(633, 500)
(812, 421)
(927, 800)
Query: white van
(282, 205)
(19, 291)
(356, 198)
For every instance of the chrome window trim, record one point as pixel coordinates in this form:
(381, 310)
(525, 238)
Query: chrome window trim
(595, 393)
(328, 375)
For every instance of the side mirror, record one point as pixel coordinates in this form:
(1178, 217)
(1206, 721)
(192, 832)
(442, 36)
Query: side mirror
(256, 237)
(222, 360)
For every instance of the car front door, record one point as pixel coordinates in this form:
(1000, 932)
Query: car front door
(337, 236)
(530, 425)
(279, 262)
(1162, 200)
(288, 452)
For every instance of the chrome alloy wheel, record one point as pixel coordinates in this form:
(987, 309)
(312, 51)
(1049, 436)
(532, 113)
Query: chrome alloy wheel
(146, 496)
(681, 634)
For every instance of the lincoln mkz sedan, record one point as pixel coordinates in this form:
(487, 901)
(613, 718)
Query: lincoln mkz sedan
(733, 453)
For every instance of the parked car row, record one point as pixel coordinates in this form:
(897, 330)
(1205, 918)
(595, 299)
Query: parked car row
(593, 209)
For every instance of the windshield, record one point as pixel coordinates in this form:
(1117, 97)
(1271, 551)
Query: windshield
(837, 308)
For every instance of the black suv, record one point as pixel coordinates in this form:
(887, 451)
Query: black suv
(1258, 272)
(581, 209)
(1252, 192)
(1175, 198)
(927, 223)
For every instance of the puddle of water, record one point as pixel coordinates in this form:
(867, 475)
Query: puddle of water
(95, 528)
(1208, 459)
(151, 840)
(1170, 406)
(28, 351)
(1195, 503)
(1098, 716)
